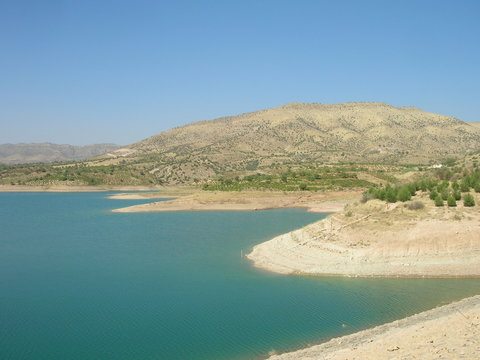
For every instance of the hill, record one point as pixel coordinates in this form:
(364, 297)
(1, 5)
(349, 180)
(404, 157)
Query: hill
(289, 148)
(299, 133)
(46, 152)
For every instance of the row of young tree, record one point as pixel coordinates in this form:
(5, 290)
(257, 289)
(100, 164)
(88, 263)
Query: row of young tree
(439, 191)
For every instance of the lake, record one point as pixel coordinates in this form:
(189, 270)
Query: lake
(80, 282)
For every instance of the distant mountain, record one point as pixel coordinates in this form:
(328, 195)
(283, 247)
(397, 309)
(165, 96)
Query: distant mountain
(296, 133)
(45, 152)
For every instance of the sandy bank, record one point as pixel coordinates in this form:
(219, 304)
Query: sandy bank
(448, 332)
(243, 200)
(139, 196)
(376, 239)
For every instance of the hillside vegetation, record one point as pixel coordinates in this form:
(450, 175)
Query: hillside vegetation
(301, 133)
(292, 147)
(449, 184)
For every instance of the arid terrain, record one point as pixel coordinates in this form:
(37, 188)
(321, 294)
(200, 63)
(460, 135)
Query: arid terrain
(238, 201)
(279, 149)
(448, 332)
(380, 239)
(296, 133)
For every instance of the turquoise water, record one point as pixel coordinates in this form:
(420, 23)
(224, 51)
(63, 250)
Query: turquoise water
(80, 282)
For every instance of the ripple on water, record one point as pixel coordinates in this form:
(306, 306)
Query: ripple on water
(79, 282)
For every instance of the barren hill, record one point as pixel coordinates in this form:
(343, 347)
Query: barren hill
(46, 152)
(293, 133)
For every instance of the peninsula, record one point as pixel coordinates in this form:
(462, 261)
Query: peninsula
(380, 239)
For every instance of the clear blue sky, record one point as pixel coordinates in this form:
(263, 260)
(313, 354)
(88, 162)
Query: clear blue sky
(83, 72)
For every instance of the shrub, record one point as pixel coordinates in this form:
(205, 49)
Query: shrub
(366, 197)
(415, 205)
(477, 187)
(451, 201)
(468, 200)
(412, 188)
(431, 184)
(380, 194)
(457, 195)
(444, 194)
(438, 201)
(433, 195)
(302, 187)
(390, 194)
(455, 185)
(391, 197)
(423, 185)
(443, 185)
(464, 187)
(404, 194)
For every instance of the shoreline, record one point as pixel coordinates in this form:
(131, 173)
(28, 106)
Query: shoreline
(423, 335)
(79, 188)
(323, 202)
(326, 209)
(185, 198)
(375, 343)
(450, 330)
(373, 276)
(379, 240)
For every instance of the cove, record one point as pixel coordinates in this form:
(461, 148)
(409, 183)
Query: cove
(80, 282)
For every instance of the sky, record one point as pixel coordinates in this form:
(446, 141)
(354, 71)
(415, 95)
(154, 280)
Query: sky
(112, 71)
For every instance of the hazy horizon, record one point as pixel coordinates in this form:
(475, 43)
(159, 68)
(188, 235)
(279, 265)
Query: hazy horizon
(98, 143)
(87, 73)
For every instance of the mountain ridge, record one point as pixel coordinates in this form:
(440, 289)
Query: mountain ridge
(22, 153)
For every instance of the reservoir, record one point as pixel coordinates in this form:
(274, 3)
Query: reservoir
(80, 282)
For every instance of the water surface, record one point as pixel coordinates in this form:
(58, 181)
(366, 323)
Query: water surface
(80, 282)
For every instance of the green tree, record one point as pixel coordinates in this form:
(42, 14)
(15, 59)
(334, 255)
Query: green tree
(412, 188)
(404, 194)
(444, 194)
(438, 201)
(457, 195)
(423, 185)
(451, 202)
(443, 185)
(468, 200)
(455, 186)
(431, 185)
(464, 187)
(390, 194)
(380, 194)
